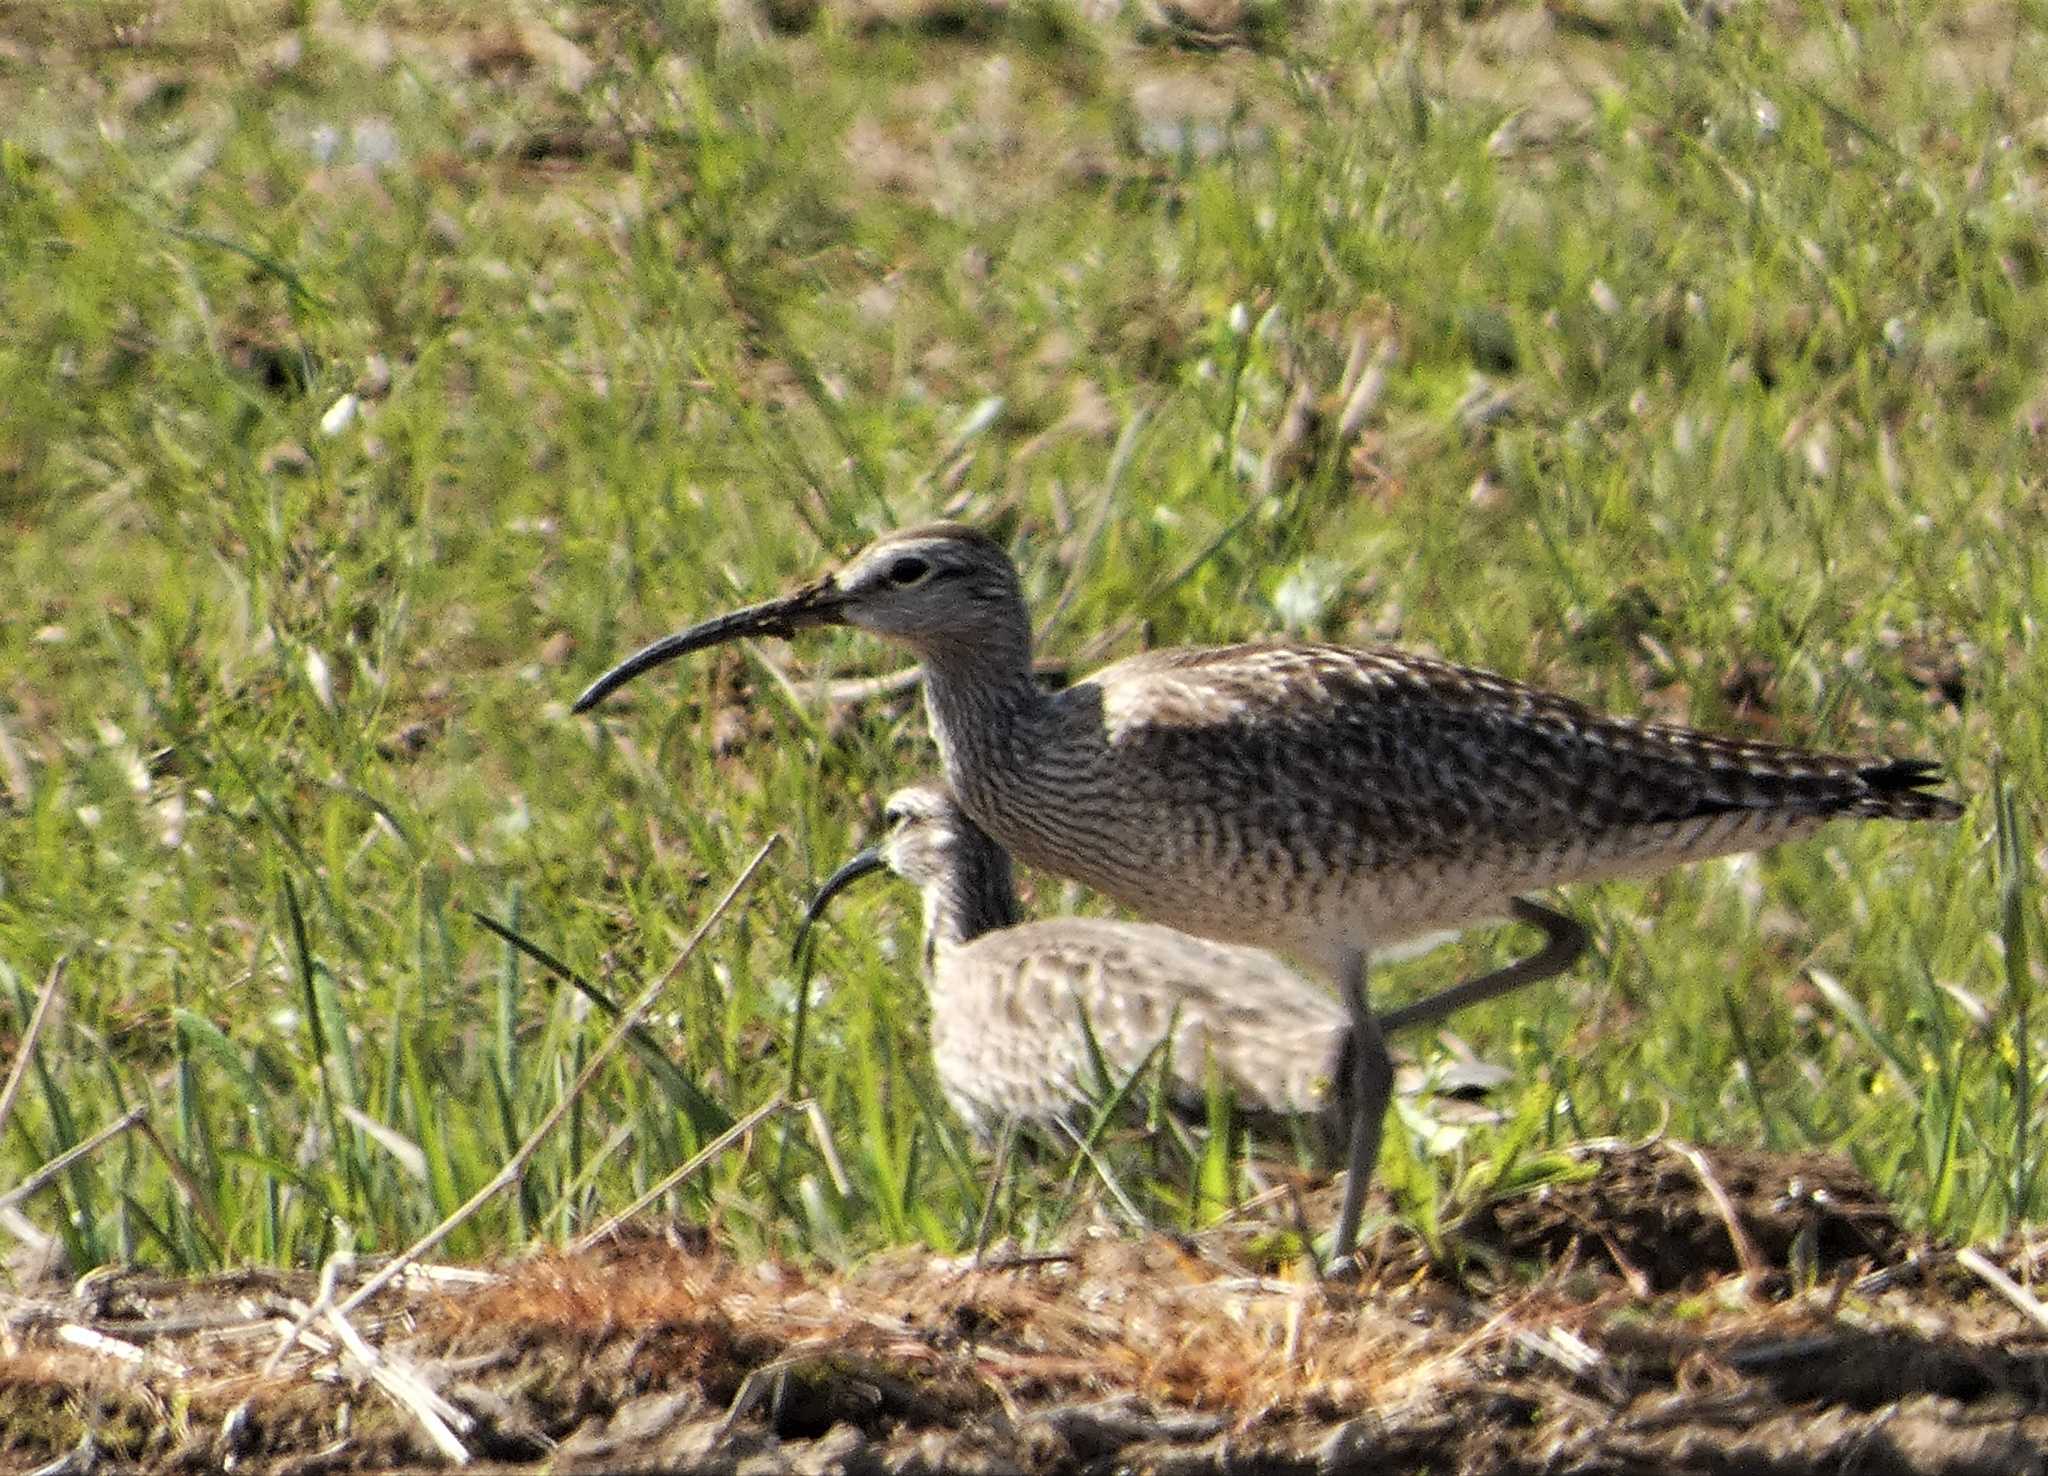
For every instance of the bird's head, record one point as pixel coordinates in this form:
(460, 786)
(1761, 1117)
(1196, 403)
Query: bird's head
(928, 586)
(932, 844)
(936, 587)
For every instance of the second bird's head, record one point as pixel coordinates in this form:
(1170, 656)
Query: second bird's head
(925, 843)
(931, 588)
(931, 843)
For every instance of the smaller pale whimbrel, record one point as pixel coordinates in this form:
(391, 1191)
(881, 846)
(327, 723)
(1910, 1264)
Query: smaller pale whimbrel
(1009, 998)
(1311, 799)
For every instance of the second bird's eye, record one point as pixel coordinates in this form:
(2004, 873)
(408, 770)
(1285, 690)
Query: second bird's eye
(908, 571)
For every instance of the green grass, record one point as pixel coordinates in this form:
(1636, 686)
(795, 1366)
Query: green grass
(1717, 394)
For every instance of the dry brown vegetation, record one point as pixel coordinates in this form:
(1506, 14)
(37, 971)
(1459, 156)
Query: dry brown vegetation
(1675, 1311)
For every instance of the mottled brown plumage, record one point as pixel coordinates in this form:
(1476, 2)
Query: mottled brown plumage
(1311, 799)
(1364, 795)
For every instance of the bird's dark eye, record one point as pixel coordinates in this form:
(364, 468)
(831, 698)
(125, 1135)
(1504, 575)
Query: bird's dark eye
(908, 571)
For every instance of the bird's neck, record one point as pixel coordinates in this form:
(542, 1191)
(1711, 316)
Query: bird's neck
(983, 704)
(977, 896)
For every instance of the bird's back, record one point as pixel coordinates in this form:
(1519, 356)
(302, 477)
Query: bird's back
(1270, 794)
(1007, 1012)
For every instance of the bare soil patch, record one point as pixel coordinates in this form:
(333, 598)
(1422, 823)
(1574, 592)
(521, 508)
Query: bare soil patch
(1678, 1310)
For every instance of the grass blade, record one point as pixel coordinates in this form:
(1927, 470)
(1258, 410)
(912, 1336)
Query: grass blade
(706, 1116)
(2016, 880)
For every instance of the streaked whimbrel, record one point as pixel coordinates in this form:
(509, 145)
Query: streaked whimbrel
(1311, 799)
(1008, 998)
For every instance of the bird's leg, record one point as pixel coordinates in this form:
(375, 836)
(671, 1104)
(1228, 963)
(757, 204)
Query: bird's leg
(1372, 1087)
(1563, 941)
(1004, 1146)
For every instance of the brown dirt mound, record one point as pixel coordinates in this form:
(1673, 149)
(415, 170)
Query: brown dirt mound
(1668, 1217)
(1677, 1311)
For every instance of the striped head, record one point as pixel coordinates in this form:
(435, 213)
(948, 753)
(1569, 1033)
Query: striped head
(965, 877)
(941, 589)
(943, 584)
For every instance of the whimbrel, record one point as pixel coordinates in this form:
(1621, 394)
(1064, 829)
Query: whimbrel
(1009, 998)
(1316, 800)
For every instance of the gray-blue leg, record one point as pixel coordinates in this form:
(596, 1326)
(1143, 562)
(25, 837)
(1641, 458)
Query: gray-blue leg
(1372, 1088)
(1563, 941)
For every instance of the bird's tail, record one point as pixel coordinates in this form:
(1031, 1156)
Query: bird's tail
(1900, 790)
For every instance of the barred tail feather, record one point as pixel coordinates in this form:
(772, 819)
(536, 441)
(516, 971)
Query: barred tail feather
(1898, 790)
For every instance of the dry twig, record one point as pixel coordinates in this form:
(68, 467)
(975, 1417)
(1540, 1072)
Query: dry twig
(696, 1161)
(406, 1388)
(29, 1037)
(1746, 1255)
(43, 1176)
(2028, 1304)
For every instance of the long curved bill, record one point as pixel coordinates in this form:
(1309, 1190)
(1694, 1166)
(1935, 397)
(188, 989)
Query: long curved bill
(815, 604)
(866, 862)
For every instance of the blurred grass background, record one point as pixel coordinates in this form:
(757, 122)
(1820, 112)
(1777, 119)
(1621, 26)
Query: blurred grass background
(374, 374)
